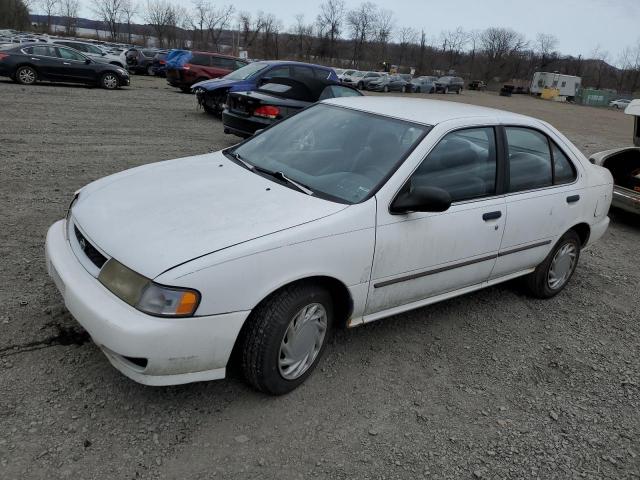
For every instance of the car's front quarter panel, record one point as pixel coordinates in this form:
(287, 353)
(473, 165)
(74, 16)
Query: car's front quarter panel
(339, 246)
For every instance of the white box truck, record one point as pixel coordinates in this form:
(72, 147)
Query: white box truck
(567, 84)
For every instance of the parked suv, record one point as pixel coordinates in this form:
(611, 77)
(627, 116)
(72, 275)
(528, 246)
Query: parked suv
(140, 60)
(198, 66)
(92, 51)
(449, 84)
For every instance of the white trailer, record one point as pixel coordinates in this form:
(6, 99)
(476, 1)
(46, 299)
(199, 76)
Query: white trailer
(567, 84)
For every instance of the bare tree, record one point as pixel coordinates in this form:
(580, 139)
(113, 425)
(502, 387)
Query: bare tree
(330, 21)
(129, 10)
(110, 12)
(545, 47)
(498, 43)
(251, 27)
(303, 35)
(361, 22)
(383, 27)
(406, 37)
(219, 20)
(14, 14)
(159, 16)
(453, 41)
(69, 13)
(601, 57)
(49, 7)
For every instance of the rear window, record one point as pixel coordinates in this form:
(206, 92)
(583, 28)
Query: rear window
(222, 62)
(149, 53)
(321, 73)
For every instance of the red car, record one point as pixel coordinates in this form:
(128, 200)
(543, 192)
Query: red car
(202, 66)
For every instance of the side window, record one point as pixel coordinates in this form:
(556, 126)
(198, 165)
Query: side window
(529, 159)
(44, 51)
(564, 171)
(238, 64)
(301, 72)
(335, 91)
(199, 59)
(70, 54)
(463, 163)
(321, 73)
(281, 72)
(78, 46)
(222, 62)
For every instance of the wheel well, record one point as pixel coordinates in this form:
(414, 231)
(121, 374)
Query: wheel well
(584, 231)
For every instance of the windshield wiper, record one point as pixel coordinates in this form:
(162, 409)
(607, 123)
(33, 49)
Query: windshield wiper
(281, 176)
(243, 162)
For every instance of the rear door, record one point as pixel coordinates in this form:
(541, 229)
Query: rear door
(543, 198)
(45, 60)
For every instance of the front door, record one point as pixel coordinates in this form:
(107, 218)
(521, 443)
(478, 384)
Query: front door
(421, 255)
(74, 66)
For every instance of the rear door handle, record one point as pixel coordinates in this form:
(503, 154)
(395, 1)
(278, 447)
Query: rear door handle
(491, 216)
(32, 58)
(573, 198)
(66, 63)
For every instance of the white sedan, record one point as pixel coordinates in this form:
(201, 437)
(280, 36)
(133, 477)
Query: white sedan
(353, 210)
(620, 104)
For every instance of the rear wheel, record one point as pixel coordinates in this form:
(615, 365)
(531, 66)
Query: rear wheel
(459, 90)
(26, 75)
(446, 90)
(553, 274)
(109, 80)
(360, 86)
(404, 89)
(285, 337)
(150, 70)
(385, 89)
(417, 89)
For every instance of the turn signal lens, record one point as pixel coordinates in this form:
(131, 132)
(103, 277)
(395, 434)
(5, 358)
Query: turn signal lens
(267, 111)
(187, 304)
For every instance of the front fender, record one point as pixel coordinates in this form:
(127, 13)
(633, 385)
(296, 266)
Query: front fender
(339, 246)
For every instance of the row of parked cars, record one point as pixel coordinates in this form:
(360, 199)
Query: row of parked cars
(400, 82)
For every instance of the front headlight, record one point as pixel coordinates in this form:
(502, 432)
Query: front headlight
(145, 295)
(122, 71)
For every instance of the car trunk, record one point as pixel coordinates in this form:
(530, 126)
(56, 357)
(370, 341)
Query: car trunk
(625, 168)
(246, 104)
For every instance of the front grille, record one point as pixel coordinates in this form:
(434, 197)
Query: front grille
(89, 250)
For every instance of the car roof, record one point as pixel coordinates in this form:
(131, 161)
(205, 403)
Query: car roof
(428, 112)
(288, 62)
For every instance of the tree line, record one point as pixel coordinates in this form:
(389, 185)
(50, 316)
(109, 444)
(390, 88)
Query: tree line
(361, 37)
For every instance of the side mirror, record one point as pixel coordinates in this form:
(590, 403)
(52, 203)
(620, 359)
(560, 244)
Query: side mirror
(264, 80)
(421, 199)
(87, 61)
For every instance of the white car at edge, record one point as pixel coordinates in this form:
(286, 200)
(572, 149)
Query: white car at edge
(353, 210)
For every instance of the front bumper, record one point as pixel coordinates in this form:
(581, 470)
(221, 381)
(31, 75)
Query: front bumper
(176, 350)
(626, 199)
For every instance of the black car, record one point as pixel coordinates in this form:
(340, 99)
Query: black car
(247, 112)
(449, 84)
(140, 60)
(160, 64)
(29, 63)
(389, 83)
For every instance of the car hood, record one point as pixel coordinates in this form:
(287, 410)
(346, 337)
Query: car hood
(215, 83)
(158, 216)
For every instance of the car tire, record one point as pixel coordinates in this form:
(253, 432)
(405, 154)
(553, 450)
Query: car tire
(269, 330)
(445, 90)
(417, 90)
(360, 86)
(404, 89)
(553, 274)
(150, 70)
(433, 90)
(109, 81)
(458, 91)
(385, 89)
(26, 75)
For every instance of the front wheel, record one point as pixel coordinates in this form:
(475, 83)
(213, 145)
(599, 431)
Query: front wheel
(26, 75)
(385, 89)
(446, 90)
(417, 89)
(360, 86)
(553, 274)
(150, 71)
(404, 89)
(285, 337)
(110, 81)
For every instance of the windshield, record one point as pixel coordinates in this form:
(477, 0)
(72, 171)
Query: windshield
(358, 74)
(247, 71)
(339, 153)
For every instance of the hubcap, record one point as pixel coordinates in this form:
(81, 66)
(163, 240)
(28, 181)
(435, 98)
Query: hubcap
(27, 76)
(110, 81)
(302, 341)
(561, 266)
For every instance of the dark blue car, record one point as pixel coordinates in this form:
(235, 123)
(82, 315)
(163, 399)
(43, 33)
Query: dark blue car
(212, 94)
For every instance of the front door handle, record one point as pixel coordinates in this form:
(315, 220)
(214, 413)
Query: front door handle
(573, 198)
(66, 63)
(491, 216)
(33, 58)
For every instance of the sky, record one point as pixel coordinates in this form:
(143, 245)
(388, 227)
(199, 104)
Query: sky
(581, 26)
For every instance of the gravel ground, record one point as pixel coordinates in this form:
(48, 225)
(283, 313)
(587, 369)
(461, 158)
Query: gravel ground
(492, 385)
